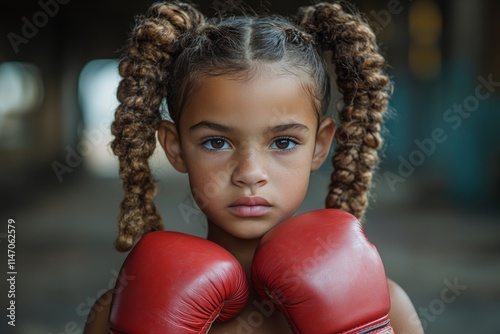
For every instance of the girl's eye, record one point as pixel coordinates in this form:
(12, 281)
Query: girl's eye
(215, 144)
(284, 144)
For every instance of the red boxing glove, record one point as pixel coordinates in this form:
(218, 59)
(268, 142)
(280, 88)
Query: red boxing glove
(324, 275)
(176, 283)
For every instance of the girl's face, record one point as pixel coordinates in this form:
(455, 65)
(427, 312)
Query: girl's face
(249, 148)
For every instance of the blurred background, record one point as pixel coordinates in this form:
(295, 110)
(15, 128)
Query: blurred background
(434, 216)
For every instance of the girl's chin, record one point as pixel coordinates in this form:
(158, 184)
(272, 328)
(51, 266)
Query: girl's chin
(247, 229)
(249, 234)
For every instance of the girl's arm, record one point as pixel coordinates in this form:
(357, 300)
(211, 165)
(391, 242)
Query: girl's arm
(98, 318)
(404, 317)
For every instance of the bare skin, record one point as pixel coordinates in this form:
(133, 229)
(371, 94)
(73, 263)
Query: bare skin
(263, 138)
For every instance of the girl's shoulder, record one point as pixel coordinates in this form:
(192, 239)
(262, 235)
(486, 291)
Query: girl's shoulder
(98, 318)
(404, 317)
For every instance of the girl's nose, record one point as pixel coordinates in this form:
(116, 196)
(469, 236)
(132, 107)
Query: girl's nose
(250, 169)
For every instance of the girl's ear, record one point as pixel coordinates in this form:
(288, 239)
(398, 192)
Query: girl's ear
(324, 139)
(170, 141)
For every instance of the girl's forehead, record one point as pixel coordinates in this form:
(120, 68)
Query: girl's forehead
(267, 89)
(267, 96)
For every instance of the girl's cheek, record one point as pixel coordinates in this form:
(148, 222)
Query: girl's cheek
(299, 159)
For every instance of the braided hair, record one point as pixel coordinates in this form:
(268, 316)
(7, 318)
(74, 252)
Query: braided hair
(173, 45)
(365, 90)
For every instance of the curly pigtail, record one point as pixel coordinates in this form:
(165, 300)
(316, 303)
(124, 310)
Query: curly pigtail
(144, 69)
(365, 89)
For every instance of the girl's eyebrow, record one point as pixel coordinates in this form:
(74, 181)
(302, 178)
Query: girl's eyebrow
(211, 125)
(287, 127)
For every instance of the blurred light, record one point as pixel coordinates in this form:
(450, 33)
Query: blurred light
(425, 26)
(425, 22)
(97, 86)
(21, 88)
(425, 61)
(96, 92)
(21, 92)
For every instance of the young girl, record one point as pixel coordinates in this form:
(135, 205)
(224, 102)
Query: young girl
(247, 98)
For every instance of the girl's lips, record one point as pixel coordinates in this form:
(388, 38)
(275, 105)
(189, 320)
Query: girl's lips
(249, 210)
(250, 201)
(246, 206)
